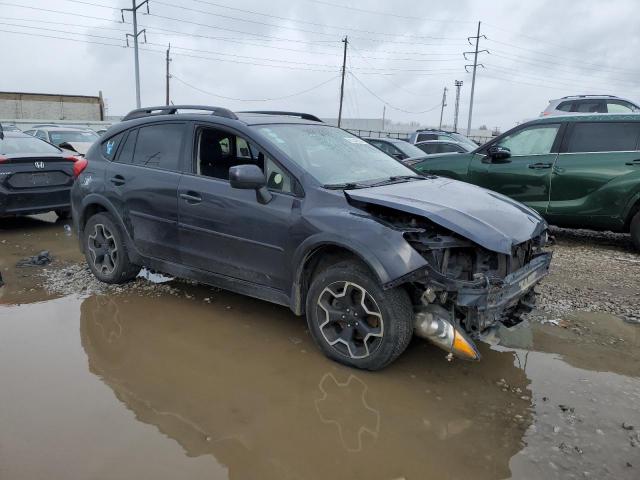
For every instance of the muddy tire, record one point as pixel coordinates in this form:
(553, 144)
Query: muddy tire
(354, 321)
(64, 213)
(635, 230)
(106, 250)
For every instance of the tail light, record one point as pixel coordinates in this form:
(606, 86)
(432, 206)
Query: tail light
(79, 164)
(3, 159)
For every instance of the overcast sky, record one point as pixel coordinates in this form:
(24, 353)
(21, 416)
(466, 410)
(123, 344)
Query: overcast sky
(401, 54)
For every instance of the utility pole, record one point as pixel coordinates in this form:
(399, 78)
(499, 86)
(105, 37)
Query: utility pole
(134, 10)
(458, 84)
(344, 68)
(384, 113)
(475, 67)
(168, 75)
(444, 104)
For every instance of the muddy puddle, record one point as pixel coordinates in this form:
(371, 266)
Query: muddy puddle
(206, 384)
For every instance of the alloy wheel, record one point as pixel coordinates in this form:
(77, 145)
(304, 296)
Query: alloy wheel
(103, 249)
(349, 319)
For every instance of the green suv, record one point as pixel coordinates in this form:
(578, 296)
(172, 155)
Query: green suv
(579, 171)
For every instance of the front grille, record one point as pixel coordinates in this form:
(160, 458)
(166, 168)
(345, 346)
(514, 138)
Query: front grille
(38, 179)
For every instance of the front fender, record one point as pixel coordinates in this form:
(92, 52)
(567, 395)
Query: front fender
(381, 247)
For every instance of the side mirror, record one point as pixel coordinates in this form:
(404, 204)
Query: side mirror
(400, 156)
(250, 177)
(499, 154)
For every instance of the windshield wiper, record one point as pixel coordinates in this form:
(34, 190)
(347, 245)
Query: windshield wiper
(344, 186)
(396, 179)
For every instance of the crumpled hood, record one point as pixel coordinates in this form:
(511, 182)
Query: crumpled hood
(487, 218)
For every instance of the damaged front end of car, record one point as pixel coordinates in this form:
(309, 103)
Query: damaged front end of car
(465, 290)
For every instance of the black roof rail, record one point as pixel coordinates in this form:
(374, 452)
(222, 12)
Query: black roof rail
(304, 116)
(587, 96)
(173, 109)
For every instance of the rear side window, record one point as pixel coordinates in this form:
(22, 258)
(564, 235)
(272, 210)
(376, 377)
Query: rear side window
(426, 136)
(159, 146)
(128, 148)
(620, 106)
(603, 137)
(564, 106)
(448, 148)
(590, 106)
(110, 147)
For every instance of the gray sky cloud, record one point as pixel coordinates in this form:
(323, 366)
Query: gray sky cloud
(539, 50)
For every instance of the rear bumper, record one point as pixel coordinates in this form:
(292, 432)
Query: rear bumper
(30, 201)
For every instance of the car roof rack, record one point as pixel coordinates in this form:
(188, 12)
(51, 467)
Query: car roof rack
(588, 96)
(304, 116)
(173, 109)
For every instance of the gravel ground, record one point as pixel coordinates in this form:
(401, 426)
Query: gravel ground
(591, 272)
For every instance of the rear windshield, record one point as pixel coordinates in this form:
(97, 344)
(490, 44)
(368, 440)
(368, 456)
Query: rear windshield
(14, 145)
(59, 137)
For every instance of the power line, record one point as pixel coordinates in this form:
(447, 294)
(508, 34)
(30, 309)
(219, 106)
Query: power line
(388, 14)
(315, 87)
(389, 104)
(317, 24)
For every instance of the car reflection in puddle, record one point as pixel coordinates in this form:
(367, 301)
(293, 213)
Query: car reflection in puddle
(267, 407)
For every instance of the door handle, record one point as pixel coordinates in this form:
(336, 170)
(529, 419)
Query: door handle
(635, 162)
(191, 197)
(539, 166)
(118, 180)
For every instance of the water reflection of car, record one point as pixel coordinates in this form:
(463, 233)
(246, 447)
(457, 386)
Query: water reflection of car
(76, 139)
(398, 149)
(35, 176)
(286, 208)
(431, 147)
(205, 377)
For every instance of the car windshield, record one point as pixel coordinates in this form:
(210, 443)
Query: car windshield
(333, 156)
(464, 140)
(71, 136)
(13, 145)
(408, 149)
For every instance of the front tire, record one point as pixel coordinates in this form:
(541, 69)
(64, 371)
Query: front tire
(354, 321)
(106, 250)
(635, 230)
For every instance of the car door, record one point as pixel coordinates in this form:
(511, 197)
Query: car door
(526, 175)
(594, 158)
(143, 185)
(226, 231)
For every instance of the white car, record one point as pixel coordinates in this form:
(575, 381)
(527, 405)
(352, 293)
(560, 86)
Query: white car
(590, 104)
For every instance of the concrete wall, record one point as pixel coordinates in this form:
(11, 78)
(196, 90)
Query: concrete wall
(20, 106)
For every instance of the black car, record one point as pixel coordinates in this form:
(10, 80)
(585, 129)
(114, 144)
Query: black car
(35, 176)
(285, 208)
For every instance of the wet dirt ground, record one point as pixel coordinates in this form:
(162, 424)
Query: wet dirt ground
(183, 381)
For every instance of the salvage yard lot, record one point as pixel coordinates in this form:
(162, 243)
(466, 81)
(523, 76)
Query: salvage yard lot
(162, 371)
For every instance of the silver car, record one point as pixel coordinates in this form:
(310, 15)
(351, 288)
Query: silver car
(590, 104)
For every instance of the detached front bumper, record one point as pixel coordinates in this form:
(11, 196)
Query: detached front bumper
(498, 294)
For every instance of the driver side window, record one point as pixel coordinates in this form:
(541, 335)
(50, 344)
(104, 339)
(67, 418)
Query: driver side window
(536, 140)
(219, 150)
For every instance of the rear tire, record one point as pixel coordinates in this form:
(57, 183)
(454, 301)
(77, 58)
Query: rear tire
(635, 230)
(354, 321)
(106, 250)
